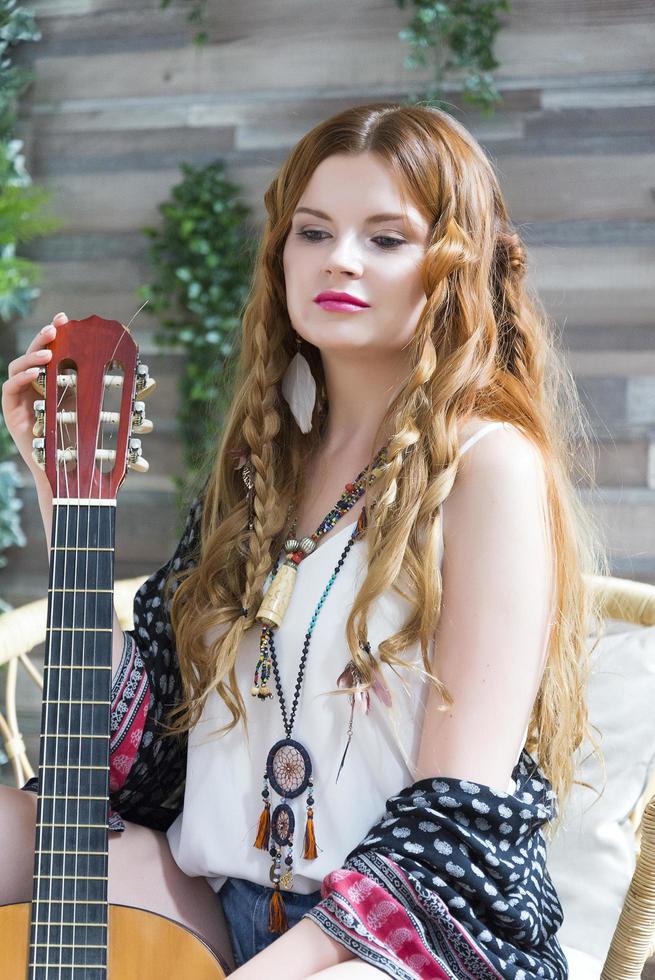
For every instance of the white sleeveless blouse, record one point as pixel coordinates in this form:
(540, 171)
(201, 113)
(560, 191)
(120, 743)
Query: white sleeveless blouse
(214, 834)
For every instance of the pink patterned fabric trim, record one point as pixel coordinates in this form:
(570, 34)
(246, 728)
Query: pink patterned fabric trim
(386, 920)
(358, 901)
(130, 698)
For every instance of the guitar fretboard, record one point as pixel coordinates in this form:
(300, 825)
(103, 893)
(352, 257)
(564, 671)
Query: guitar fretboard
(68, 937)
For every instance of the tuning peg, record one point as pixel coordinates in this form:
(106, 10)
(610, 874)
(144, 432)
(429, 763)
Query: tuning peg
(39, 412)
(39, 382)
(139, 421)
(145, 385)
(38, 452)
(135, 461)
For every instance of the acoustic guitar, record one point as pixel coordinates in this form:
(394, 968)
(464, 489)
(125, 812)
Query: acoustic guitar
(69, 931)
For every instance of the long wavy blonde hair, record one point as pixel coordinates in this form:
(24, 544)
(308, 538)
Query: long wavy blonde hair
(483, 347)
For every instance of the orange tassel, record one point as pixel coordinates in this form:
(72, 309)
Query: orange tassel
(310, 840)
(277, 916)
(263, 830)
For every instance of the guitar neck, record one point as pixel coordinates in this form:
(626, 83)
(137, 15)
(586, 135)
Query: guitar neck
(68, 937)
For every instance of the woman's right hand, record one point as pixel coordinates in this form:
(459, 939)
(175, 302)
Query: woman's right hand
(18, 395)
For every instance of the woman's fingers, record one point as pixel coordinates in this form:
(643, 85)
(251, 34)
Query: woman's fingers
(48, 333)
(24, 369)
(26, 361)
(37, 353)
(44, 336)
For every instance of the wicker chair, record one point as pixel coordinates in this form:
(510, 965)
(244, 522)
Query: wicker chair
(634, 937)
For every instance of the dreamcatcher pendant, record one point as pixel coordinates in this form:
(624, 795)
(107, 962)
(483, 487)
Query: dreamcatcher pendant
(289, 774)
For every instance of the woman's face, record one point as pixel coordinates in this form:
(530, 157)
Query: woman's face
(346, 249)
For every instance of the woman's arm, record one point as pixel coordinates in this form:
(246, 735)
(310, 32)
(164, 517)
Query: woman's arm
(496, 612)
(298, 953)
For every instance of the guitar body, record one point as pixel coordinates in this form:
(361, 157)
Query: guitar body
(142, 946)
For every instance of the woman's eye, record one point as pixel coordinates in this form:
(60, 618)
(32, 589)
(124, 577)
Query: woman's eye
(393, 242)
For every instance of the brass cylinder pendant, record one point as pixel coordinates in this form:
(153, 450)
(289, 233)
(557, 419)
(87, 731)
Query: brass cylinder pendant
(275, 602)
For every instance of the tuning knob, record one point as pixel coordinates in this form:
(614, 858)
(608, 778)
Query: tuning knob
(145, 385)
(39, 412)
(135, 461)
(139, 421)
(39, 382)
(38, 452)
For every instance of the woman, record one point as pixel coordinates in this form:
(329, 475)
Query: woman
(429, 409)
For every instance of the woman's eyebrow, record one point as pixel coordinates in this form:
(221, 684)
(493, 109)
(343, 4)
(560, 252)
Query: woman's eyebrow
(385, 216)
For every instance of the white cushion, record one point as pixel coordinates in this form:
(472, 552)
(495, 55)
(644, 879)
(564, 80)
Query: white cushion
(592, 857)
(582, 966)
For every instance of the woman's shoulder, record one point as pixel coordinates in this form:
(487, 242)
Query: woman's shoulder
(503, 461)
(502, 474)
(506, 442)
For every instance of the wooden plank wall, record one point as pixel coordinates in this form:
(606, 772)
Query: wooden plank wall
(122, 96)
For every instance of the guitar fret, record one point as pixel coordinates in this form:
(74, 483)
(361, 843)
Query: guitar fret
(43, 850)
(80, 629)
(53, 765)
(102, 591)
(70, 735)
(70, 547)
(72, 825)
(81, 925)
(77, 877)
(62, 796)
(73, 966)
(70, 901)
(63, 701)
(81, 590)
(77, 666)
(71, 946)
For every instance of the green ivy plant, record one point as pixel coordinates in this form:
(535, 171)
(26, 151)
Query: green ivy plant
(22, 215)
(458, 35)
(202, 257)
(21, 218)
(195, 16)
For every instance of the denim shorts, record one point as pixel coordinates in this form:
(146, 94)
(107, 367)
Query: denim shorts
(245, 906)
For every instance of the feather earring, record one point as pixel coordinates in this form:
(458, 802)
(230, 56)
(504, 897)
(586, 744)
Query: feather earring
(299, 390)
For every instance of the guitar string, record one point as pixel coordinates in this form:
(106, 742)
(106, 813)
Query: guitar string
(82, 651)
(51, 658)
(60, 649)
(107, 519)
(43, 755)
(88, 495)
(69, 726)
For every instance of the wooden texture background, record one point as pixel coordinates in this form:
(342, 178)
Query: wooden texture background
(122, 97)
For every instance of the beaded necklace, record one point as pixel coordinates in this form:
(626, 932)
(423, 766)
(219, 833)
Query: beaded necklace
(288, 764)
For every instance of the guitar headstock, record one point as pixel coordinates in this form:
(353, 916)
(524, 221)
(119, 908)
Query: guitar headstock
(93, 387)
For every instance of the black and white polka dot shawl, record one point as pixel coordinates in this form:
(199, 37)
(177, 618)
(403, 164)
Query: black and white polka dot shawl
(452, 882)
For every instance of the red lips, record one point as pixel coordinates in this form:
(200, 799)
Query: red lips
(339, 298)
